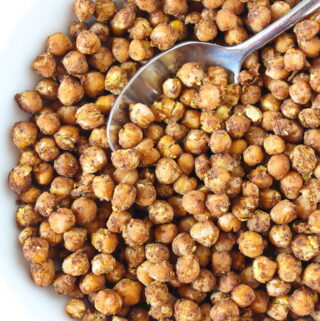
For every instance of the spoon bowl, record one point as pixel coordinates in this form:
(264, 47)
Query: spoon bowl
(146, 85)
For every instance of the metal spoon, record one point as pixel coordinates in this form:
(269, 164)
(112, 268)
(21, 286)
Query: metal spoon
(146, 85)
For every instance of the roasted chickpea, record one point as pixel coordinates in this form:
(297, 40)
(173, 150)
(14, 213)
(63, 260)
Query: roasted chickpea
(251, 244)
(29, 101)
(58, 44)
(301, 302)
(24, 134)
(43, 274)
(70, 91)
(243, 295)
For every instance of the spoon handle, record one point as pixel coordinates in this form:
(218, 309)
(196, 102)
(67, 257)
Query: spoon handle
(301, 10)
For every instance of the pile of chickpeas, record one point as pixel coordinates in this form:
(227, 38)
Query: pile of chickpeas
(210, 209)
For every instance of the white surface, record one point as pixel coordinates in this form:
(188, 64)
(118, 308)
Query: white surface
(24, 26)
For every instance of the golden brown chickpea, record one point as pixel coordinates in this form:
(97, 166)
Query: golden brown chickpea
(44, 65)
(303, 159)
(273, 145)
(64, 284)
(221, 262)
(250, 94)
(36, 249)
(205, 30)
(226, 20)
(47, 149)
(70, 91)
(306, 29)
(123, 197)
(76, 27)
(243, 295)
(130, 135)
(168, 147)
(83, 9)
(172, 88)
(260, 303)
(29, 157)
(66, 165)
(67, 114)
(258, 18)
(191, 74)
(58, 44)
(103, 263)
(26, 216)
(75, 63)
(305, 247)
(101, 30)
(280, 236)
(291, 184)
(125, 177)
(138, 313)
(311, 276)
(248, 278)
(108, 302)
(167, 171)
(30, 196)
(165, 233)
(92, 283)
(62, 220)
(141, 115)
(294, 59)
(88, 42)
(162, 271)
(277, 287)
(251, 244)
(269, 102)
(93, 159)
(140, 50)
(314, 221)
(187, 310)
(205, 233)
(102, 59)
(278, 166)
(301, 302)
(116, 274)
(135, 233)
(76, 308)
(104, 10)
(183, 244)
(93, 83)
(75, 238)
(123, 20)
(224, 309)
(253, 155)
(283, 212)
(289, 268)
(308, 118)
(20, 178)
(278, 308)
(67, 137)
(103, 187)
(278, 9)
(116, 79)
(43, 173)
(89, 116)
(263, 269)
(104, 241)
(24, 134)
(161, 212)
(43, 273)
(28, 232)
(311, 47)
(176, 130)
(129, 291)
(276, 68)
(29, 101)
(46, 204)
(48, 89)
(284, 42)
(228, 282)
(300, 92)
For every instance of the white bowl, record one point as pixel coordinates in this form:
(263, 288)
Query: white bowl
(20, 298)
